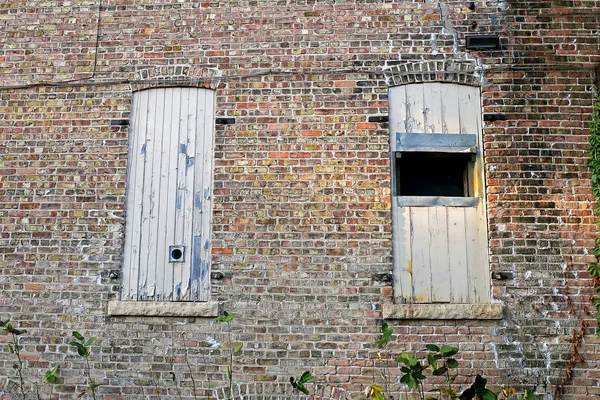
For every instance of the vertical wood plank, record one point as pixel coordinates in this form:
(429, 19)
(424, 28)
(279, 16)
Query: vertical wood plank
(420, 241)
(198, 199)
(457, 255)
(145, 282)
(207, 193)
(132, 209)
(438, 255)
(477, 255)
(414, 109)
(402, 255)
(169, 191)
(182, 203)
(433, 105)
(450, 109)
(469, 110)
(160, 261)
(191, 115)
(155, 231)
(397, 123)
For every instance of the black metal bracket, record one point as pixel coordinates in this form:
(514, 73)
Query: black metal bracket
(379, 118)
(119, 122)
(482, 42)
(224, 121)
(494, 117)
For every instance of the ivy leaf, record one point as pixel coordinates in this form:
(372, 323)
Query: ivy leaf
(452, 363)
(507, 391)
(78, 335)
(528, 396)
(448, 351)
(409, 381)
(17, 332)
(226, 317)
(375, 392)
(386, 333)
(89, 342)
(432, 347)
(306, 376)
(50, 375)
(81, 349)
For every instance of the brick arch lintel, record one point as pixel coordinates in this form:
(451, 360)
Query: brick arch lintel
(175, 75)
(465, 72)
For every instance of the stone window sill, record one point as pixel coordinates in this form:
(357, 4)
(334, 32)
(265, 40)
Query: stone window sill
(163, 309)
(442, 311)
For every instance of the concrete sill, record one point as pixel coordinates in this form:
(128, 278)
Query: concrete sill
(163, 309)
(442, 311)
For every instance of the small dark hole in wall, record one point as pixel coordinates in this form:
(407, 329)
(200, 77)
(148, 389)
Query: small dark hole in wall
(177, 254)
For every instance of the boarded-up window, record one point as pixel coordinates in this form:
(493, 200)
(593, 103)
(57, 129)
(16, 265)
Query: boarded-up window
(169, 203)
(440, 246)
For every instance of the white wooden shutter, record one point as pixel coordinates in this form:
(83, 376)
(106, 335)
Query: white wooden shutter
(440, 252)
(169, 195)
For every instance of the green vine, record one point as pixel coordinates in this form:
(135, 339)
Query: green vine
(594, 164)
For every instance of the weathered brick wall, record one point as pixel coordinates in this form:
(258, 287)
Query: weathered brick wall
(302, 224)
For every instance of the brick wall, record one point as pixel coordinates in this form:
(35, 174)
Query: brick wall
(302, 224)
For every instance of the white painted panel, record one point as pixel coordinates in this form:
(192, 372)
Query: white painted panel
(450, 108)
(154, 262)
(207, 193)
(477, 255)
(397, 115)
(161, 258)
(457, 255)
(202, 201)
(169, 189)
(175, 135)
(433, 105)
(183, 204)
(438, 255)
(401, 249)
(414, 109)
(421, 263)
(146, 278)
(134, 190)
(470, 110)
(448, 256)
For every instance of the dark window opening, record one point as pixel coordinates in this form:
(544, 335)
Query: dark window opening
(433, 174)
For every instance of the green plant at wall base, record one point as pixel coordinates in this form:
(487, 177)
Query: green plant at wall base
(83, 349)
(226, 318)
(437, 361)
(15, 348)
(594, 164)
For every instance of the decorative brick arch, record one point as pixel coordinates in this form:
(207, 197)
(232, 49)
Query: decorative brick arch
(175, 75)
(466, 72)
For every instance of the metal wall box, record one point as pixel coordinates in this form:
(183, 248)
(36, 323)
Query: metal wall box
(482, 42)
